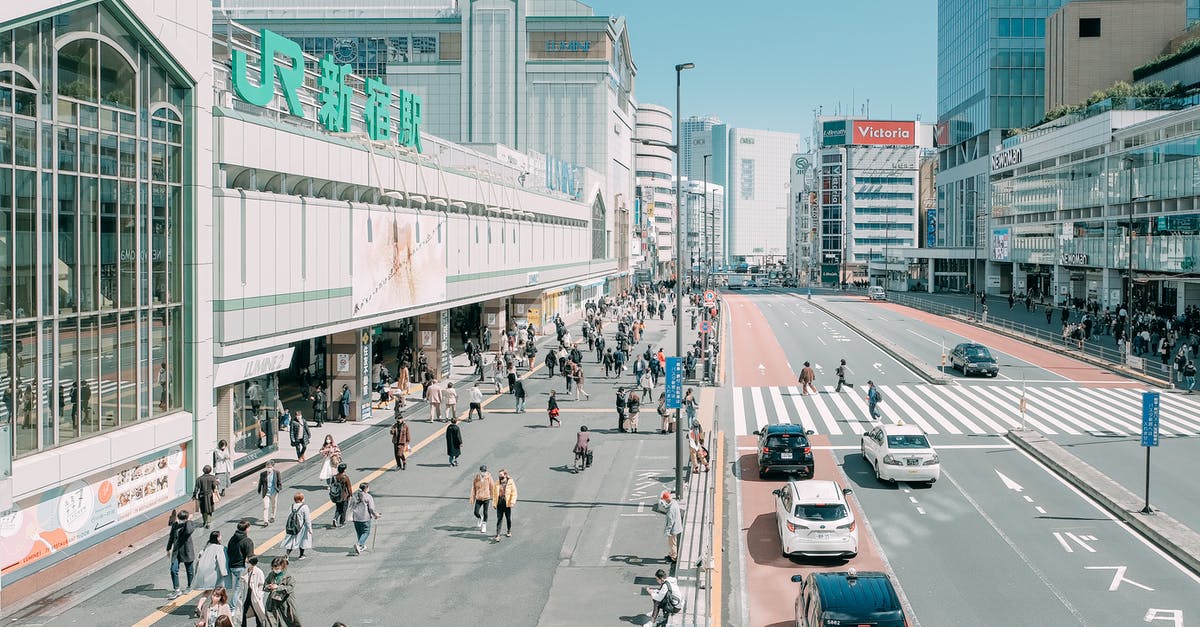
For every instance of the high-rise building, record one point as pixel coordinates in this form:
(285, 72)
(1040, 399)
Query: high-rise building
(695, 133)
(754, 172)
(656, 184)
(802, 220)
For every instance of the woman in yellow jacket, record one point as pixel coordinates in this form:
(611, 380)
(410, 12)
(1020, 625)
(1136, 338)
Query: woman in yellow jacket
(504, 496)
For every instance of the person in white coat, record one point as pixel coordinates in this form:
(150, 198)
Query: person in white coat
(211, 567)
(302, 538)
(222, 465)
(252, 591)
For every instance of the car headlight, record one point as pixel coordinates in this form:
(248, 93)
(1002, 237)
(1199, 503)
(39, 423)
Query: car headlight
(891, 460)
(932, 461)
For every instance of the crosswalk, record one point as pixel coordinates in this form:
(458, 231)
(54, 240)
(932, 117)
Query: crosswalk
(963, 409)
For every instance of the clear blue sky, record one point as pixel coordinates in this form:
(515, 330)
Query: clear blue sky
(768, 64)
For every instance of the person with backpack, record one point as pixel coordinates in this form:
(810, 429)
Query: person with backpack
(841, 375)
(401, 439)
(666, 597)
(339, 495)
(873, 399)
(582, 450)
(362, 511)
(298, 527)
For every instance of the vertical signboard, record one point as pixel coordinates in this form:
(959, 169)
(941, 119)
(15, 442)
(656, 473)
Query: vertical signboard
(674, 390)
(364, 374)
(1150, 412)
(444, 329)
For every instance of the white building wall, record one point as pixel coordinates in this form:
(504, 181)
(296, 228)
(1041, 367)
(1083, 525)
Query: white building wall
(757, 191)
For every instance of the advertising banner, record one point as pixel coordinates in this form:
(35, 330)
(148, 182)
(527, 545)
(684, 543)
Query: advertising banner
(1001, 245)
(399, 261)
(882, 133)
(931, 230)
(833, 133)
(66, 516)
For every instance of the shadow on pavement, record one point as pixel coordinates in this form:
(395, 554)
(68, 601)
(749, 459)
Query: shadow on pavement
(762, 542)
(639, 619)
(861, 473)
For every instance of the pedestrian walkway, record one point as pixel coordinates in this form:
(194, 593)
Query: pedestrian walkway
(964, 409)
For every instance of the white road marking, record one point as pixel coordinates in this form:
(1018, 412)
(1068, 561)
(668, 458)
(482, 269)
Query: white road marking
(612, 532)
(780, 409)
(826, 415)
(1118, 577)
(1063, 543)
(760, 408)
(739, 408)
(1028, 499)
(822, 341)
(935, 342)
(921, 511)
(941, 447)
(1009, 483)
(1081, 541)
(1040, 509)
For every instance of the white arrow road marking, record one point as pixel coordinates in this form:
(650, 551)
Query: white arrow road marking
(1080, 540)
(1174, 616)
(1009, 483)
(1118, 577)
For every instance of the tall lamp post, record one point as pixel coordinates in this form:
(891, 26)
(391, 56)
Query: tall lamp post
(708, 233)
(1128, 161)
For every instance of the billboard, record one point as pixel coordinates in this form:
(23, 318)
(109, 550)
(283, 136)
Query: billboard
(399, 261)
(884, 133)
(833, 133)
(1001, 245)
(931, 230)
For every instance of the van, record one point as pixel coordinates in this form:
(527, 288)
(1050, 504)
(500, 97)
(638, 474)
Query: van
(877, 293)
(848, 597)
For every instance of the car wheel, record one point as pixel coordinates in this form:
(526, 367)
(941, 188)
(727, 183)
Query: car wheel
(993, 375)
(851, 556)
(762, 474)
(879, 477)
(862, 450)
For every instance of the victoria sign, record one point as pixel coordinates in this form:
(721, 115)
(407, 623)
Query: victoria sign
(876, 133)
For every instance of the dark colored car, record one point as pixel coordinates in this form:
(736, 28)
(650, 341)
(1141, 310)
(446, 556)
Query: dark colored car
(848, 598)
(971, 359)
(784, 449)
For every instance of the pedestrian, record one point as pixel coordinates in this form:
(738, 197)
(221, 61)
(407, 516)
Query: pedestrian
(690, 405)
(633, 407)
(164, 383)
(666, 598)
(181, 550)
(608, 363)
(211, 568)
(250, 587)
(222, 466)
(213, 606)
(504, 497)
(873, 399)
(511, 368)
(362, 511)
(280, 588)
(206, 494)
(646, 383)
(450, 401)
(583, 447)
(807, 377)
(578, 374)
(1049, 314)
(344, 403)
(482, 487)
(841, 375)
(270, 484)
(621, 410)
(552, 409)
(434, 396)
(239, 549)
(551, 362)
(664, 415)
(339, 495)
(1189, 376)
(454, 441)
(320, 406)
(476, 403)
(299, 436)
(519, 396)
(332, 455)
(298, 527)
(697, 453)
(673, 525)
(401, 439)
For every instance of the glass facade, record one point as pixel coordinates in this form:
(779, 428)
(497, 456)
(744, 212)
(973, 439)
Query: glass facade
(91, 206)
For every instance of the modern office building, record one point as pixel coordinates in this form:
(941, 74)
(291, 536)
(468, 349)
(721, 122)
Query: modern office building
(656, 185)
(752, 165)
(695, 133)
(1101, 207)
(196, 225)
(1091, 44)
(803, 214)
(703, 205)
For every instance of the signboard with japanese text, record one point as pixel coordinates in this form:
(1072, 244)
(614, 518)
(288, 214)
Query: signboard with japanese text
(1150, 417)
(673, 391)
(364, 373)
(1001, 245)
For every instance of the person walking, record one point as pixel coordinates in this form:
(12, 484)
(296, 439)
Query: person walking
(222, 466)
(454, 441)
(475, 408)
(504, 497)
(213, 606)
(181, 550)
(498, 372)
(1189, 376)
(646, 383)
(583, 447)
(332, 455)
(673, 525)
(633, 407)
(211, 568)
(270, 484)
(320, 406)
(344, 403)
(362, 512)
(339, 495)
(873, 399)
(239, 549)
(689, 406)
(577, 372)
(482, 487)
(206, 494)
(299, 435)
(552, 409)
(841, 375)
(298, 527)
(697, 453)
(250, 588)
(621, 410)
(807, 377)
(401, 442)
(519, 396)
(450, 401)
(664, 415)
(510, 368)
(434, 396)
(551, 363)
(280, 592)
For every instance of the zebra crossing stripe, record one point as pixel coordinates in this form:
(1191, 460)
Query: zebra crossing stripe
(859, 404)
(780, 409)
(1095, 401)
(948, 426)
(969, 398)
(1187, 408)
(848, 415)
(906, 412)
(739, 411)
(760, 408)
(823, 411)
(954, 396)
(941, 398)
(1038, 410)
(1066, 413)
(806, 418)
(998, 401)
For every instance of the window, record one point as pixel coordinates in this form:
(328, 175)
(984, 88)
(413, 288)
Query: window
(883, 195)
(821, 513)
(1089, 27)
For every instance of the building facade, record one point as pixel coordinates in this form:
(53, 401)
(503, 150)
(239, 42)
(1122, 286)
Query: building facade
(703, 205)
(801, 231)
(656, 185)
(756, 180)
(695, 134)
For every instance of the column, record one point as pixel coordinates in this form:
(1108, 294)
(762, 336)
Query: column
(433, 341)
(495, 320)
(349, 353)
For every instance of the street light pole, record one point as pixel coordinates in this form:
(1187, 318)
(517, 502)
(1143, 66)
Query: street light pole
(680, 445)
(707, 229)
(974, 195)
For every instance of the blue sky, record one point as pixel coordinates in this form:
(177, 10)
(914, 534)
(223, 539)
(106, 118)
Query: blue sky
(768, 64)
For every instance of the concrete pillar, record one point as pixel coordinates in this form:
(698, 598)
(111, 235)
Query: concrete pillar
(433, 341)
(349, 353)
(495, 319)
(527, 308)
(929, 275)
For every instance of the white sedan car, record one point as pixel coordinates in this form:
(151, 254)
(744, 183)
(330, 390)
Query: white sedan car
(900, 453)
(815, 520)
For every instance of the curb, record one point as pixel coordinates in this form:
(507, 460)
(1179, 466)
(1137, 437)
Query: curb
(1168, 534)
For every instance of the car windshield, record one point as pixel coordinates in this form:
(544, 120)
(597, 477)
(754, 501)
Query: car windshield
(785, 441)
(822, 512)
(977, 353)
(907, 441)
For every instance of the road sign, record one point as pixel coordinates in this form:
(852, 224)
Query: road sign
(710, 297)
(705, 326)
(674, 390)
(1150, 410)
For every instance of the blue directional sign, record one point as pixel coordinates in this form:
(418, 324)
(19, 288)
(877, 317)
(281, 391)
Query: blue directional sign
(1150, 409)
(674, 391)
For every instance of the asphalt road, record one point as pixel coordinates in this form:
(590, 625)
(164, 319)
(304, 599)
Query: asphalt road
(999, 540)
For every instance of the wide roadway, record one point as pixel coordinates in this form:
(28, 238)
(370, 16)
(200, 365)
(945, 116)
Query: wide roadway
(998, 541)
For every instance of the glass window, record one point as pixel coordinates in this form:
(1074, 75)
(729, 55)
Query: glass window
(108, 243)
(24, 358)
(6, 245)
(25, 242)
(88, 382)
(151, 386)
(25, 142)
(68, 148)
(108, 154)
(68, 195)
(89, 244)
(48, 394)
(77, 62)
(108, 379)
(127, 250)
(158, 352)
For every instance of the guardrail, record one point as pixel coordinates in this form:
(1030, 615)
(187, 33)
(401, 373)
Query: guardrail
(1092, 348)
(694, 570)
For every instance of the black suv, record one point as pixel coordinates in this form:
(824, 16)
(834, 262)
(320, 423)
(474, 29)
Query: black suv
(969, 358)
(784, 448)
(848, 598)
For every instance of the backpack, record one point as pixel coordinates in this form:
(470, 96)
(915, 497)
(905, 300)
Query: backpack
(671, 603)
(292, 526)
(335, 490)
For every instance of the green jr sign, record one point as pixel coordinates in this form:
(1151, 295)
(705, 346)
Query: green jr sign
(335, 93)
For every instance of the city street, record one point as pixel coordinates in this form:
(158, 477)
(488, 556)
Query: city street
(996, 521)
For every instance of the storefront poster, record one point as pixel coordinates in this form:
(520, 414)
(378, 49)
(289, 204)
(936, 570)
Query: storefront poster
(399, 261)
(60, 518)
(1000, 245)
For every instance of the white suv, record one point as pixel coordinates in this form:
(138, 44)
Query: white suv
(876, 292)
(900, 453)
(815, 520)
